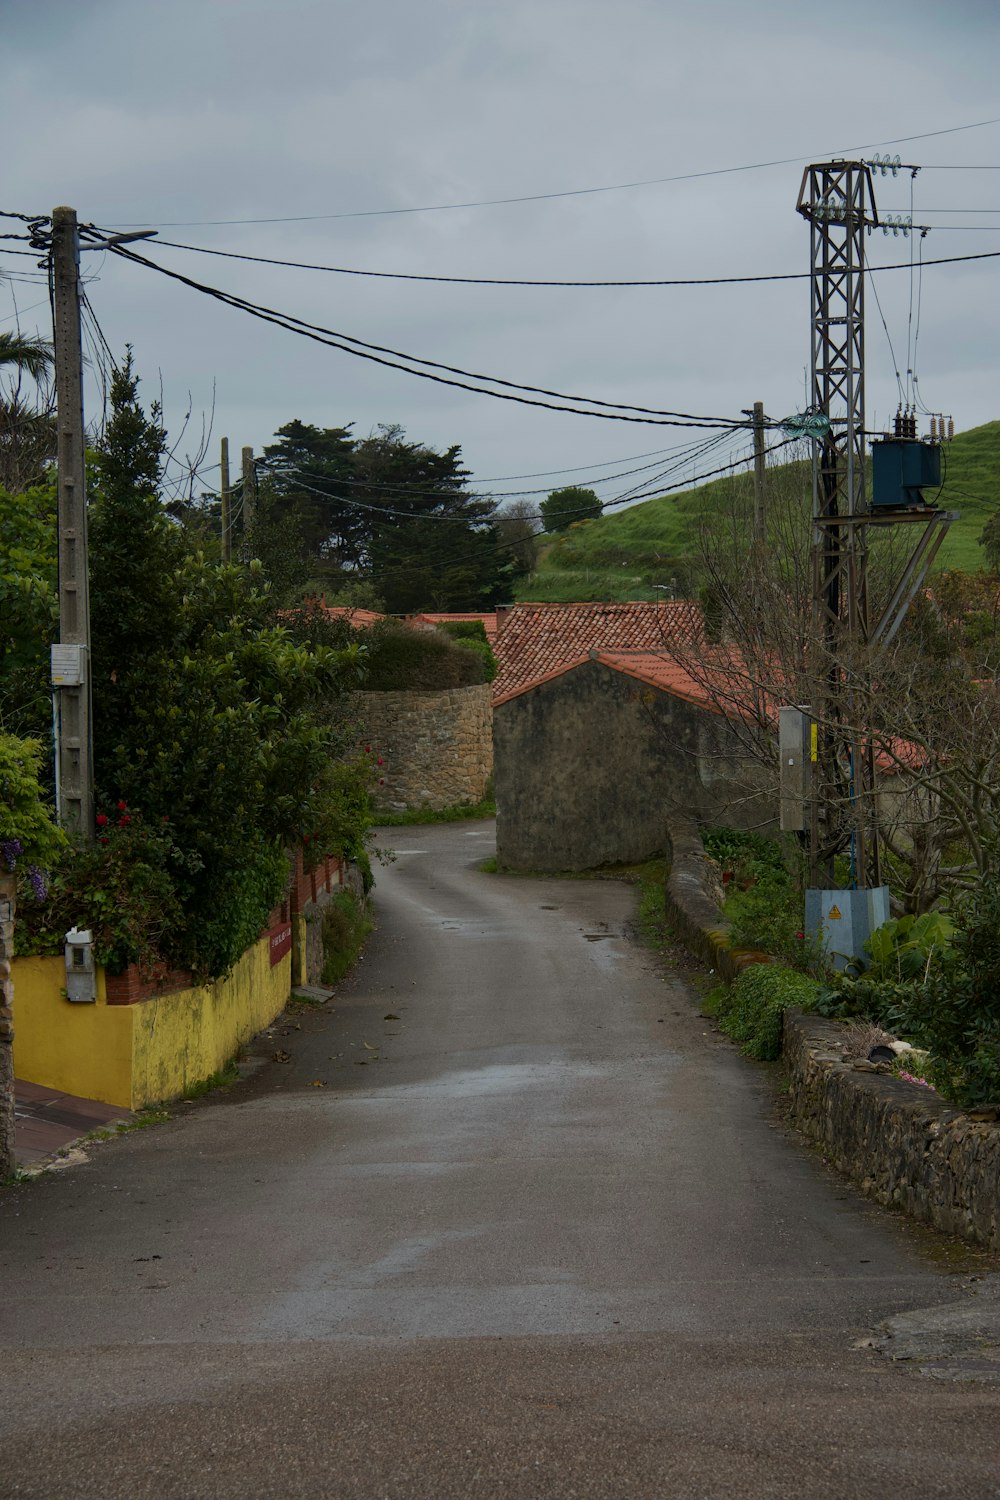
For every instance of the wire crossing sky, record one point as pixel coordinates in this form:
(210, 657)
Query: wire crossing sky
(554, 143)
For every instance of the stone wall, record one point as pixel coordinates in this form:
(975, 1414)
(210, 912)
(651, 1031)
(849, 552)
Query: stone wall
(900, 1143)
(436, 747)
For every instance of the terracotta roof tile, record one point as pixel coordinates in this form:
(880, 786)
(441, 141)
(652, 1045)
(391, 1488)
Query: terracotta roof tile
(358, 619)
(537, 640)
(488, 619)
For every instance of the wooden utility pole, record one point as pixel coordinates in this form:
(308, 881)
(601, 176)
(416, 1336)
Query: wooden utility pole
(759, 470)
(227, 511)
(249, 491)
(71, 658)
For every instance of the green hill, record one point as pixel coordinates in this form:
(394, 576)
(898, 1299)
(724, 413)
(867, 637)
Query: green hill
(651, 549)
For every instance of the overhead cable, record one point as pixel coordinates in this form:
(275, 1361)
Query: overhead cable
(376, 354)
(613, 187)
(304, 265)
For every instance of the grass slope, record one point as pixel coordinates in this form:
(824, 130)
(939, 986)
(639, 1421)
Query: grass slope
(650, 550)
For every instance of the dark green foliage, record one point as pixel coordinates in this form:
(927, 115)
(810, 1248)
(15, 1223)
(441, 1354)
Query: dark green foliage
(763, 901)
(310, 478)
(752, 1010)
(346, 923)
(472, 635)
(134, 551)
(28, 834)
(422, 660)
(989, 540)
(211, 721)
(744, 855)
(563, 508)
(29, 607)
(955, 1014)
(392, 514)
(123, 888)
(902, 953)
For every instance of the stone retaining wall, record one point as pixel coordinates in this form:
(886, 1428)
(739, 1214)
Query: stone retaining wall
(694, 901)
(900, 1143)
(436, 747)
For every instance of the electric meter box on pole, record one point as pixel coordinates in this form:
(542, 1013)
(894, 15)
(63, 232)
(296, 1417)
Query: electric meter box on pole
(68, 665)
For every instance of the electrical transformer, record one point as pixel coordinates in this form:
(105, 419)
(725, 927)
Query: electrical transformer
(902, 468)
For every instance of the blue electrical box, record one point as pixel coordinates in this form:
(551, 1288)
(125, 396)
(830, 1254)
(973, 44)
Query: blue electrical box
(901, 470)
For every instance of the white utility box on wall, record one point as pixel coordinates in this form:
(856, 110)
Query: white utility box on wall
(81, 976)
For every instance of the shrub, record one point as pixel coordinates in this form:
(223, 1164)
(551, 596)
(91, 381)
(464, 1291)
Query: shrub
(763, 901)
(423, 660)
(471, 635)
(752, 1013)
(955, 1013)
(27, 829)
(346, 924)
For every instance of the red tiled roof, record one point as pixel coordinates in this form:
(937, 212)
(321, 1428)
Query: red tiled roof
(535, 641)
(358, 619)
(488, 619)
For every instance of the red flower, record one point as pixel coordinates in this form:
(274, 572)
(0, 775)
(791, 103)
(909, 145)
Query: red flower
(101, 820)
(800, 936)
(381, 781)
(122, 806)
(368, 749)
(379, 761)
(103, 841)
(123, 820)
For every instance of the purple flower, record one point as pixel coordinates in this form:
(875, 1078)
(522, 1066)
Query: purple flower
(39, 885)
(10, 852)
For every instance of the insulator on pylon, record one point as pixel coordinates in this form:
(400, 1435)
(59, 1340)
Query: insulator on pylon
(951, 428)
(933, 429)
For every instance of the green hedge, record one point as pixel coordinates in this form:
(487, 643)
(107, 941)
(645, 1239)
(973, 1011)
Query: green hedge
(753, 1009)
(400, 659)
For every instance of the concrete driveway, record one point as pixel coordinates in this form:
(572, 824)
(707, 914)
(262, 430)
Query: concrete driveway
(512, 1220)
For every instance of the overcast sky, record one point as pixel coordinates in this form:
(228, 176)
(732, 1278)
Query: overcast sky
(188, 111)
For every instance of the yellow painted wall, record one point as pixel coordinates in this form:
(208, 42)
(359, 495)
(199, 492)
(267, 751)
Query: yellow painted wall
(79, 1049)
(181, 1038)
(132, 1055)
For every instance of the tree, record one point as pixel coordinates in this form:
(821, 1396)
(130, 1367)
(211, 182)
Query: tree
(29, 607)
(432, 542)
(27, 426)
(563, 507)
(310, 475)
(926, 703)
(210, 721)
(517, 526)
(989, 540)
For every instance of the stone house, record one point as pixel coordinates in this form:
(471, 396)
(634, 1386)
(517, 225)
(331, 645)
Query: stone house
(588, 756)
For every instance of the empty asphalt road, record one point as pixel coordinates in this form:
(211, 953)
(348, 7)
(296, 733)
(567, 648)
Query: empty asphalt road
(512, 1221)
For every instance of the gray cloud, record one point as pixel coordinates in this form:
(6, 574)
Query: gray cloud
(238, 110)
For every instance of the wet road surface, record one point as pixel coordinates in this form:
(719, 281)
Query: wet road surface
(512, 1221)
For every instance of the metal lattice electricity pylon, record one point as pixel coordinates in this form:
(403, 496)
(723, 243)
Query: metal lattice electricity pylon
(838, 200)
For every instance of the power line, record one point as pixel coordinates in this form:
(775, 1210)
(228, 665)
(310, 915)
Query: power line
(613, 187)
(498, 546)
(362, 349)
(302, 265)
(275, 466)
